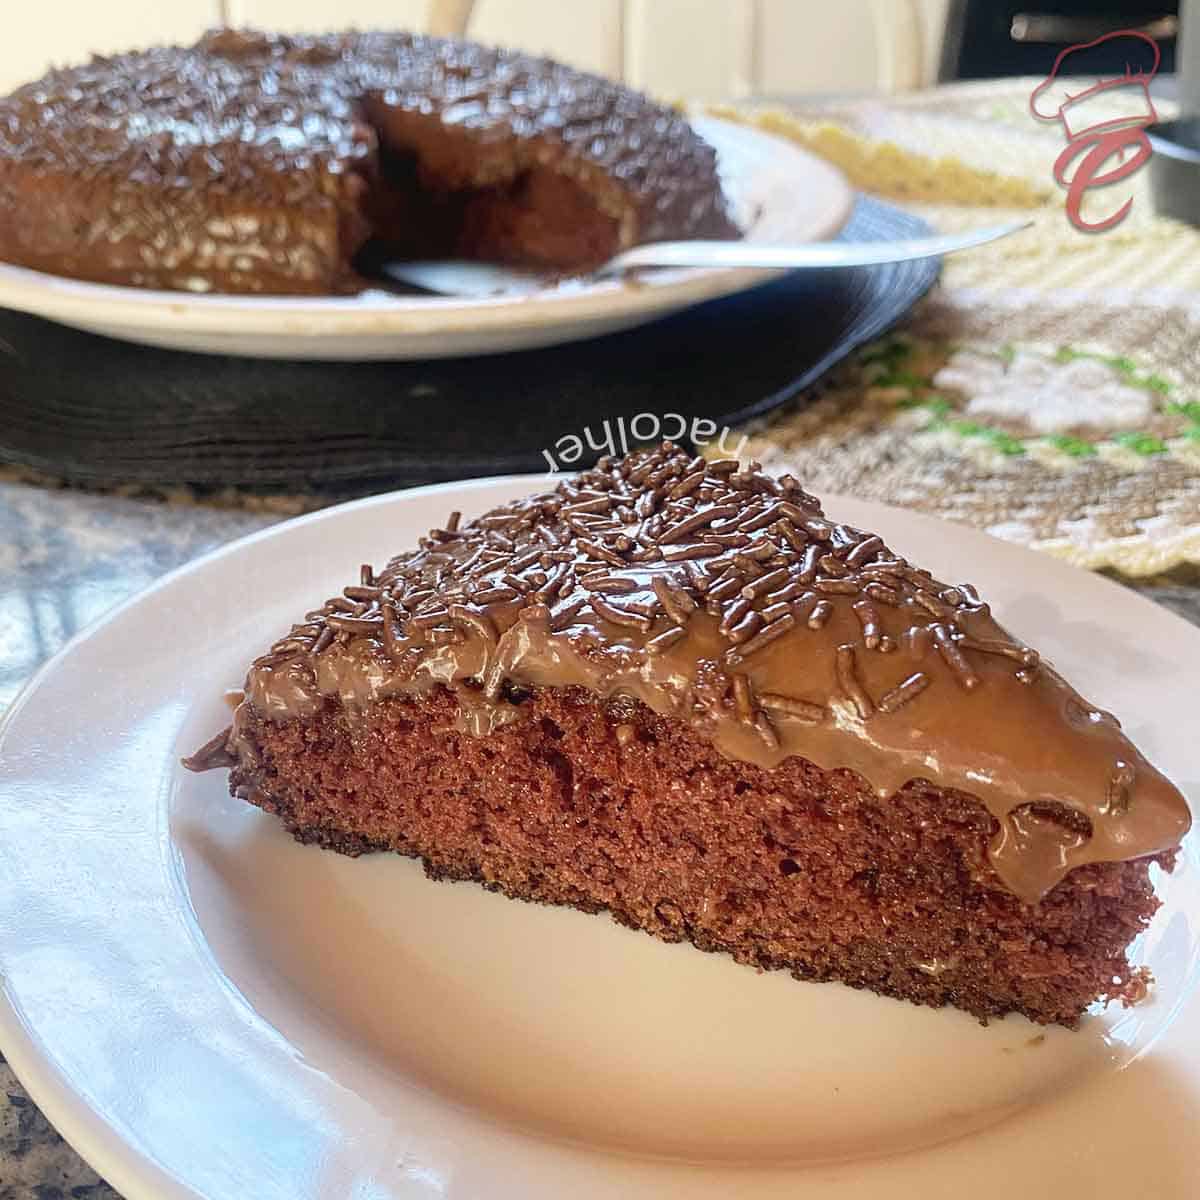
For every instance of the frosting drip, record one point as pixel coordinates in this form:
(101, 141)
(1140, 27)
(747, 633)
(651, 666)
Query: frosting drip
(727, 600)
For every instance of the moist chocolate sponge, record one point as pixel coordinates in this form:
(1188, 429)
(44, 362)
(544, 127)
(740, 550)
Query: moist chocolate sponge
(607, 806)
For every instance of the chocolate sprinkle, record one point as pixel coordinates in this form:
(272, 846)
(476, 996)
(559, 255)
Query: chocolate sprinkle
(620, 616)
(762, 640)
(664, 641)
(902, 693)
(950, 651)
(804, 710)
(847, 673)
(819, 614)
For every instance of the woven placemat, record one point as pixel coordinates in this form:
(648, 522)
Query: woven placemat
(90, 410)
(1049, 390)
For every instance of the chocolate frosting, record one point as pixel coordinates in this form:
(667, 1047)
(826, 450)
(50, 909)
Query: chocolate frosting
(726, 599)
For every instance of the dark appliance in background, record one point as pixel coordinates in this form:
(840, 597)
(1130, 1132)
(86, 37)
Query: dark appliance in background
(989, 38)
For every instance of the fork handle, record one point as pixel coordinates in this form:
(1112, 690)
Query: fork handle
(810, 254)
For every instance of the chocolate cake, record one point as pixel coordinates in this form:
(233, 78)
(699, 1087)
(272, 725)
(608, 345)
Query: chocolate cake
(677, 691)
(259, 163)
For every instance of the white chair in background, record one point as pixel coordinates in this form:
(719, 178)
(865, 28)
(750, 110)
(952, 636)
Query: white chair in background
(900, 44)
(708, 49)
(901, 31)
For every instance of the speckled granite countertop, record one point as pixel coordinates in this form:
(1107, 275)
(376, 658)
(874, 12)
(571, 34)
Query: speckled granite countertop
(66, 557)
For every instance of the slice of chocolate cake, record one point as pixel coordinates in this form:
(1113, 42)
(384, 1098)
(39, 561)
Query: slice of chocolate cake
(679, 692)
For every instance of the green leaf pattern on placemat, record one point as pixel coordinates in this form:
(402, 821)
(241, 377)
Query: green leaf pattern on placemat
(1020, 398)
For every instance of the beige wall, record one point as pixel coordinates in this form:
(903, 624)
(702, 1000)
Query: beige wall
(704, 48)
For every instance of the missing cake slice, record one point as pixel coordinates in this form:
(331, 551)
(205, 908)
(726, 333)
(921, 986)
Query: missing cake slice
(676, 690)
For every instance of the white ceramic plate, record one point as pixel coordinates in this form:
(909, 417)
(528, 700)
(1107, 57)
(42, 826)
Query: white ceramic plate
(206, 1008)
(779, 193)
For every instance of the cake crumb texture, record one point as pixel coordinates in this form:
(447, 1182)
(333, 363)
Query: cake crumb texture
(609, 806)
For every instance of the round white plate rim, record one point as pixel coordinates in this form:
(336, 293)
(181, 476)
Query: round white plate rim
(307, 324)
(88, 1130)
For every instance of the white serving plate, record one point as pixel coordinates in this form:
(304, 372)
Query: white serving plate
(206, 1009)
(779, 193)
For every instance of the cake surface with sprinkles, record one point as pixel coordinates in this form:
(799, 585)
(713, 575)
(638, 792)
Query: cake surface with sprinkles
(680, 692)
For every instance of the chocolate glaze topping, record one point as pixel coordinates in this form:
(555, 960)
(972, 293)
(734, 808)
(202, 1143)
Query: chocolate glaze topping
(241, 162)
(727, 599)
